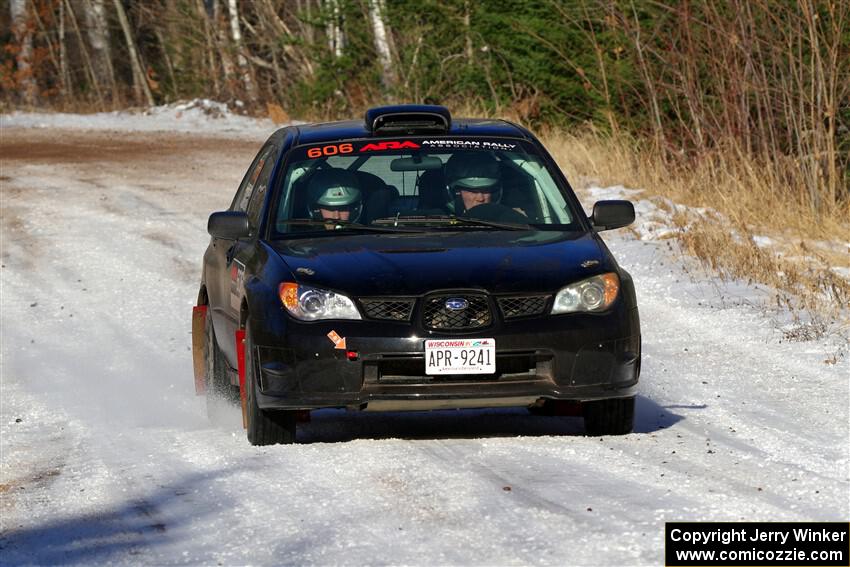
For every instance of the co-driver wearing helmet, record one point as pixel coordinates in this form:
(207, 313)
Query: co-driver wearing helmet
(334, 194)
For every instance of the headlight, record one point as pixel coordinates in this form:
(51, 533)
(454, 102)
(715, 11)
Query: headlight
(311, 303)
(593, 294)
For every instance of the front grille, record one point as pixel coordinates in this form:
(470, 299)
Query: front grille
(475, 315)
(522, 305)
(388, 309)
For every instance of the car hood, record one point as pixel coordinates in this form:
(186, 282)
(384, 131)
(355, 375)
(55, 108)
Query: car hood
(414, 264)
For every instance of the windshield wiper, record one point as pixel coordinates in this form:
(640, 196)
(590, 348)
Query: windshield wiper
(335, 225)
(492, 224)
(449, 221)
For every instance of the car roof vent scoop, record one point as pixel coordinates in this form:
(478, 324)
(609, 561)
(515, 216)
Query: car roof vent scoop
(408, 119)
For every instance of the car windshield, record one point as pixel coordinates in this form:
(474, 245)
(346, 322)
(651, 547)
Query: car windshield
(419, 184)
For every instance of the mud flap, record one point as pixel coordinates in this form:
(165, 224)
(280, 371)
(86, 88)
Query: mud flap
(240, 360)
(199, 324)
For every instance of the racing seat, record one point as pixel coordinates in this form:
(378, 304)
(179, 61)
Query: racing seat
(518, 192)
(433, 191)
(379, 203)
(377, 196)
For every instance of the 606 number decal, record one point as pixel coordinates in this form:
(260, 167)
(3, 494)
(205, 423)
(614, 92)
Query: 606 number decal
(330, 150)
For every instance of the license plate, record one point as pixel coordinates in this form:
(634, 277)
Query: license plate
(460, 356)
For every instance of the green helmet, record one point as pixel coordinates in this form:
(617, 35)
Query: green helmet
(474, 171)
(335, 189)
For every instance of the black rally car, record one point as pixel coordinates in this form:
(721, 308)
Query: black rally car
(413, 261)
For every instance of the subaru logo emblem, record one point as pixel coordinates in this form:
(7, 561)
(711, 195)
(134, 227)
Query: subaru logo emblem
(456, 304)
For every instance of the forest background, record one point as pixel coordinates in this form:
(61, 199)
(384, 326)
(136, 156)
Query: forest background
(742, 106)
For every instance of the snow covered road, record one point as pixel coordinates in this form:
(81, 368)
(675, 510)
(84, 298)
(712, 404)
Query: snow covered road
(107, 456)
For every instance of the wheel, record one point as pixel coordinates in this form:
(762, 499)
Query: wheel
(221, 394)
(265, 427)
(609, 417)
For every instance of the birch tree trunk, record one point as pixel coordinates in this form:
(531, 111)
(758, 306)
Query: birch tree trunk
(23, 60)
(210, 45)
(140, 83)
(97, 31)
(72, 16)
(241, 60)
(383, 44)
(336, 39)
(63, 52)
(223, 41)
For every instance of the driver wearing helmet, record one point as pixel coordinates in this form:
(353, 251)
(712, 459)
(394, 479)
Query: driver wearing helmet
(476, 182)
(334, 194)
(474, 178)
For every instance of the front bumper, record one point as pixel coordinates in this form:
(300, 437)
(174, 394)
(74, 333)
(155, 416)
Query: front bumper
(577, 357)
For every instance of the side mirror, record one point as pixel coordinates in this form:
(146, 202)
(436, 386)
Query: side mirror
(612, 214)
(230, 225)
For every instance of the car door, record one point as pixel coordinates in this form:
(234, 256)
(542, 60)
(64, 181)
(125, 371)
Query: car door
(244, 249)
(223, 272)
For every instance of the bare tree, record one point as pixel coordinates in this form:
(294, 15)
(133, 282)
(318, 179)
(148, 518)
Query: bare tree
(140, 83)
(94, 14)
(223, 42)
(336, 39)
(383, 44)
(23, 37)
(209, 44)
(467, 32)
(84, 51)
(63, 53)
(307, 8)
(649, 80)
(244, 68)
(295, 54)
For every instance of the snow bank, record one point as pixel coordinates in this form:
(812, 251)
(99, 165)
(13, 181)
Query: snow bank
(195, 116)
(655, 221)
(653, 215)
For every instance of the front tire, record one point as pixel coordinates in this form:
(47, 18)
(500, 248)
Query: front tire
(265, 427)
(609, 417)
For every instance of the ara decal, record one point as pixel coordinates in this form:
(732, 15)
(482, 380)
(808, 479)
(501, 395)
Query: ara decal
(391, 145)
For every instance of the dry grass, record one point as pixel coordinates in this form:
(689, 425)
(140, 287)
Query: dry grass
(750, 199)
